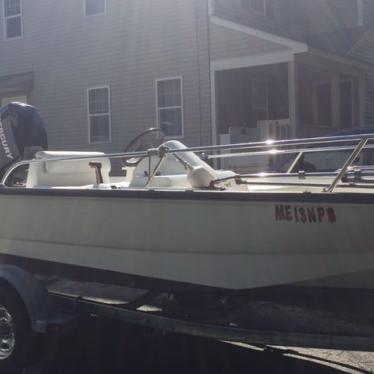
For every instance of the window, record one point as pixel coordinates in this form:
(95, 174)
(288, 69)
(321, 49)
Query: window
(12, 19)
(19, 99)
(265, 7)
(99, 115)
(169, 103)
(94, 7)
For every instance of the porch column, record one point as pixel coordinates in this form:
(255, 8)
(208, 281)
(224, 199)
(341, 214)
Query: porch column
(362, 101)
(293, 97)
(335, 99)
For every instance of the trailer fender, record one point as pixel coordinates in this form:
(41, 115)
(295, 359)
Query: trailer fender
(34, 296)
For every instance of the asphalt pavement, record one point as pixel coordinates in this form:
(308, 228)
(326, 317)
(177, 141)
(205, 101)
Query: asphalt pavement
(101, 346)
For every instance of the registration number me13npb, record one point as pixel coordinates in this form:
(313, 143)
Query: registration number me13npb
(299, 214)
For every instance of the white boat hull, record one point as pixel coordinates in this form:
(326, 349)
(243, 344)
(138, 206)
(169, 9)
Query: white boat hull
(192, 238)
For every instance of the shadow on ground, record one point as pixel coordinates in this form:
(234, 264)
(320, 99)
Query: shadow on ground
(99, 347)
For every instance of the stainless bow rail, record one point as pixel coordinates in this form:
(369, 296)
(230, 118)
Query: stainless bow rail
(355, 143)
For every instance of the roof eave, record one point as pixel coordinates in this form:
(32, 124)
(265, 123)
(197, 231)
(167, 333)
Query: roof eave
(295, 46)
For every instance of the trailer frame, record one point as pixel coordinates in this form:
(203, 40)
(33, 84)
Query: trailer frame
(52, 313)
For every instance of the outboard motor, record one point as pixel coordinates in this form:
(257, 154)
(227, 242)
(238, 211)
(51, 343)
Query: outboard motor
(22, 134)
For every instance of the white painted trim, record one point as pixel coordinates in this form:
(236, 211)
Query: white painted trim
(360, 12)
(293, 96)
(213, 105)
(174, 107)
(362, 81)
(253, 60)
(266, 5)
(297, 47)
(96, 14)
(265, 9)
(98, 114)
(211, 7)
(10, 17)
(237, 63)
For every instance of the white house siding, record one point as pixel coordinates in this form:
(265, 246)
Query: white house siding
(368, 15)
(136, 42)
(293, 18)
(240, 11)
(364, 51)
(226, 43)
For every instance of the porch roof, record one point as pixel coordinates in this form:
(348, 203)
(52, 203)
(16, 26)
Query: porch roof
(335, 46)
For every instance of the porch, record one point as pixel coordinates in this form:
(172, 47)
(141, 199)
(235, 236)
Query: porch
(285, 96)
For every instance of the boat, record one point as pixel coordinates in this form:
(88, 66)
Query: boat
(172, 222)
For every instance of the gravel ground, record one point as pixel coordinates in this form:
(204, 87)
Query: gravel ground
(101, 346)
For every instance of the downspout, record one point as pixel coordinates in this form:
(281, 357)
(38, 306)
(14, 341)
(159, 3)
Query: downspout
(360, 13)
(210, 12)
(198, 63)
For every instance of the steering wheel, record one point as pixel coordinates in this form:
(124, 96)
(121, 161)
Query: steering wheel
(150, 138)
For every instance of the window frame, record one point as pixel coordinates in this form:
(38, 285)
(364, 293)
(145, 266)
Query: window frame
(265, 11)
(181, 107)
(89, 115)
(6, 18)
(96, 14)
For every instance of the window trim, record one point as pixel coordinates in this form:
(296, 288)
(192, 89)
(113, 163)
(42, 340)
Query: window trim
(180, 78)
(89, 115)
(265, 12)
(10, 17)
(96, 14)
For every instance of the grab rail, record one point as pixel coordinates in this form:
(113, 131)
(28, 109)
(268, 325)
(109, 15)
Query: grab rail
(348, 163)
(269, 147)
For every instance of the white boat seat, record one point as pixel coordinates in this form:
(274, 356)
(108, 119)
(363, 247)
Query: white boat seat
(202, 177)
(50, 173)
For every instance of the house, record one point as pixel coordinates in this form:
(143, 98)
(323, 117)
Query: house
(309, 66)
(205, 71)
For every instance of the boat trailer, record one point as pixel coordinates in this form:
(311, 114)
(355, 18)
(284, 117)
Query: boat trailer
(29, 308)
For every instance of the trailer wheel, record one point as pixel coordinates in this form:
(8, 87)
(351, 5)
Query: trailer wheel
(16, 336)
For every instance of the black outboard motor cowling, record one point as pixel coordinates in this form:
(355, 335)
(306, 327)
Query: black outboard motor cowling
(22, 134)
